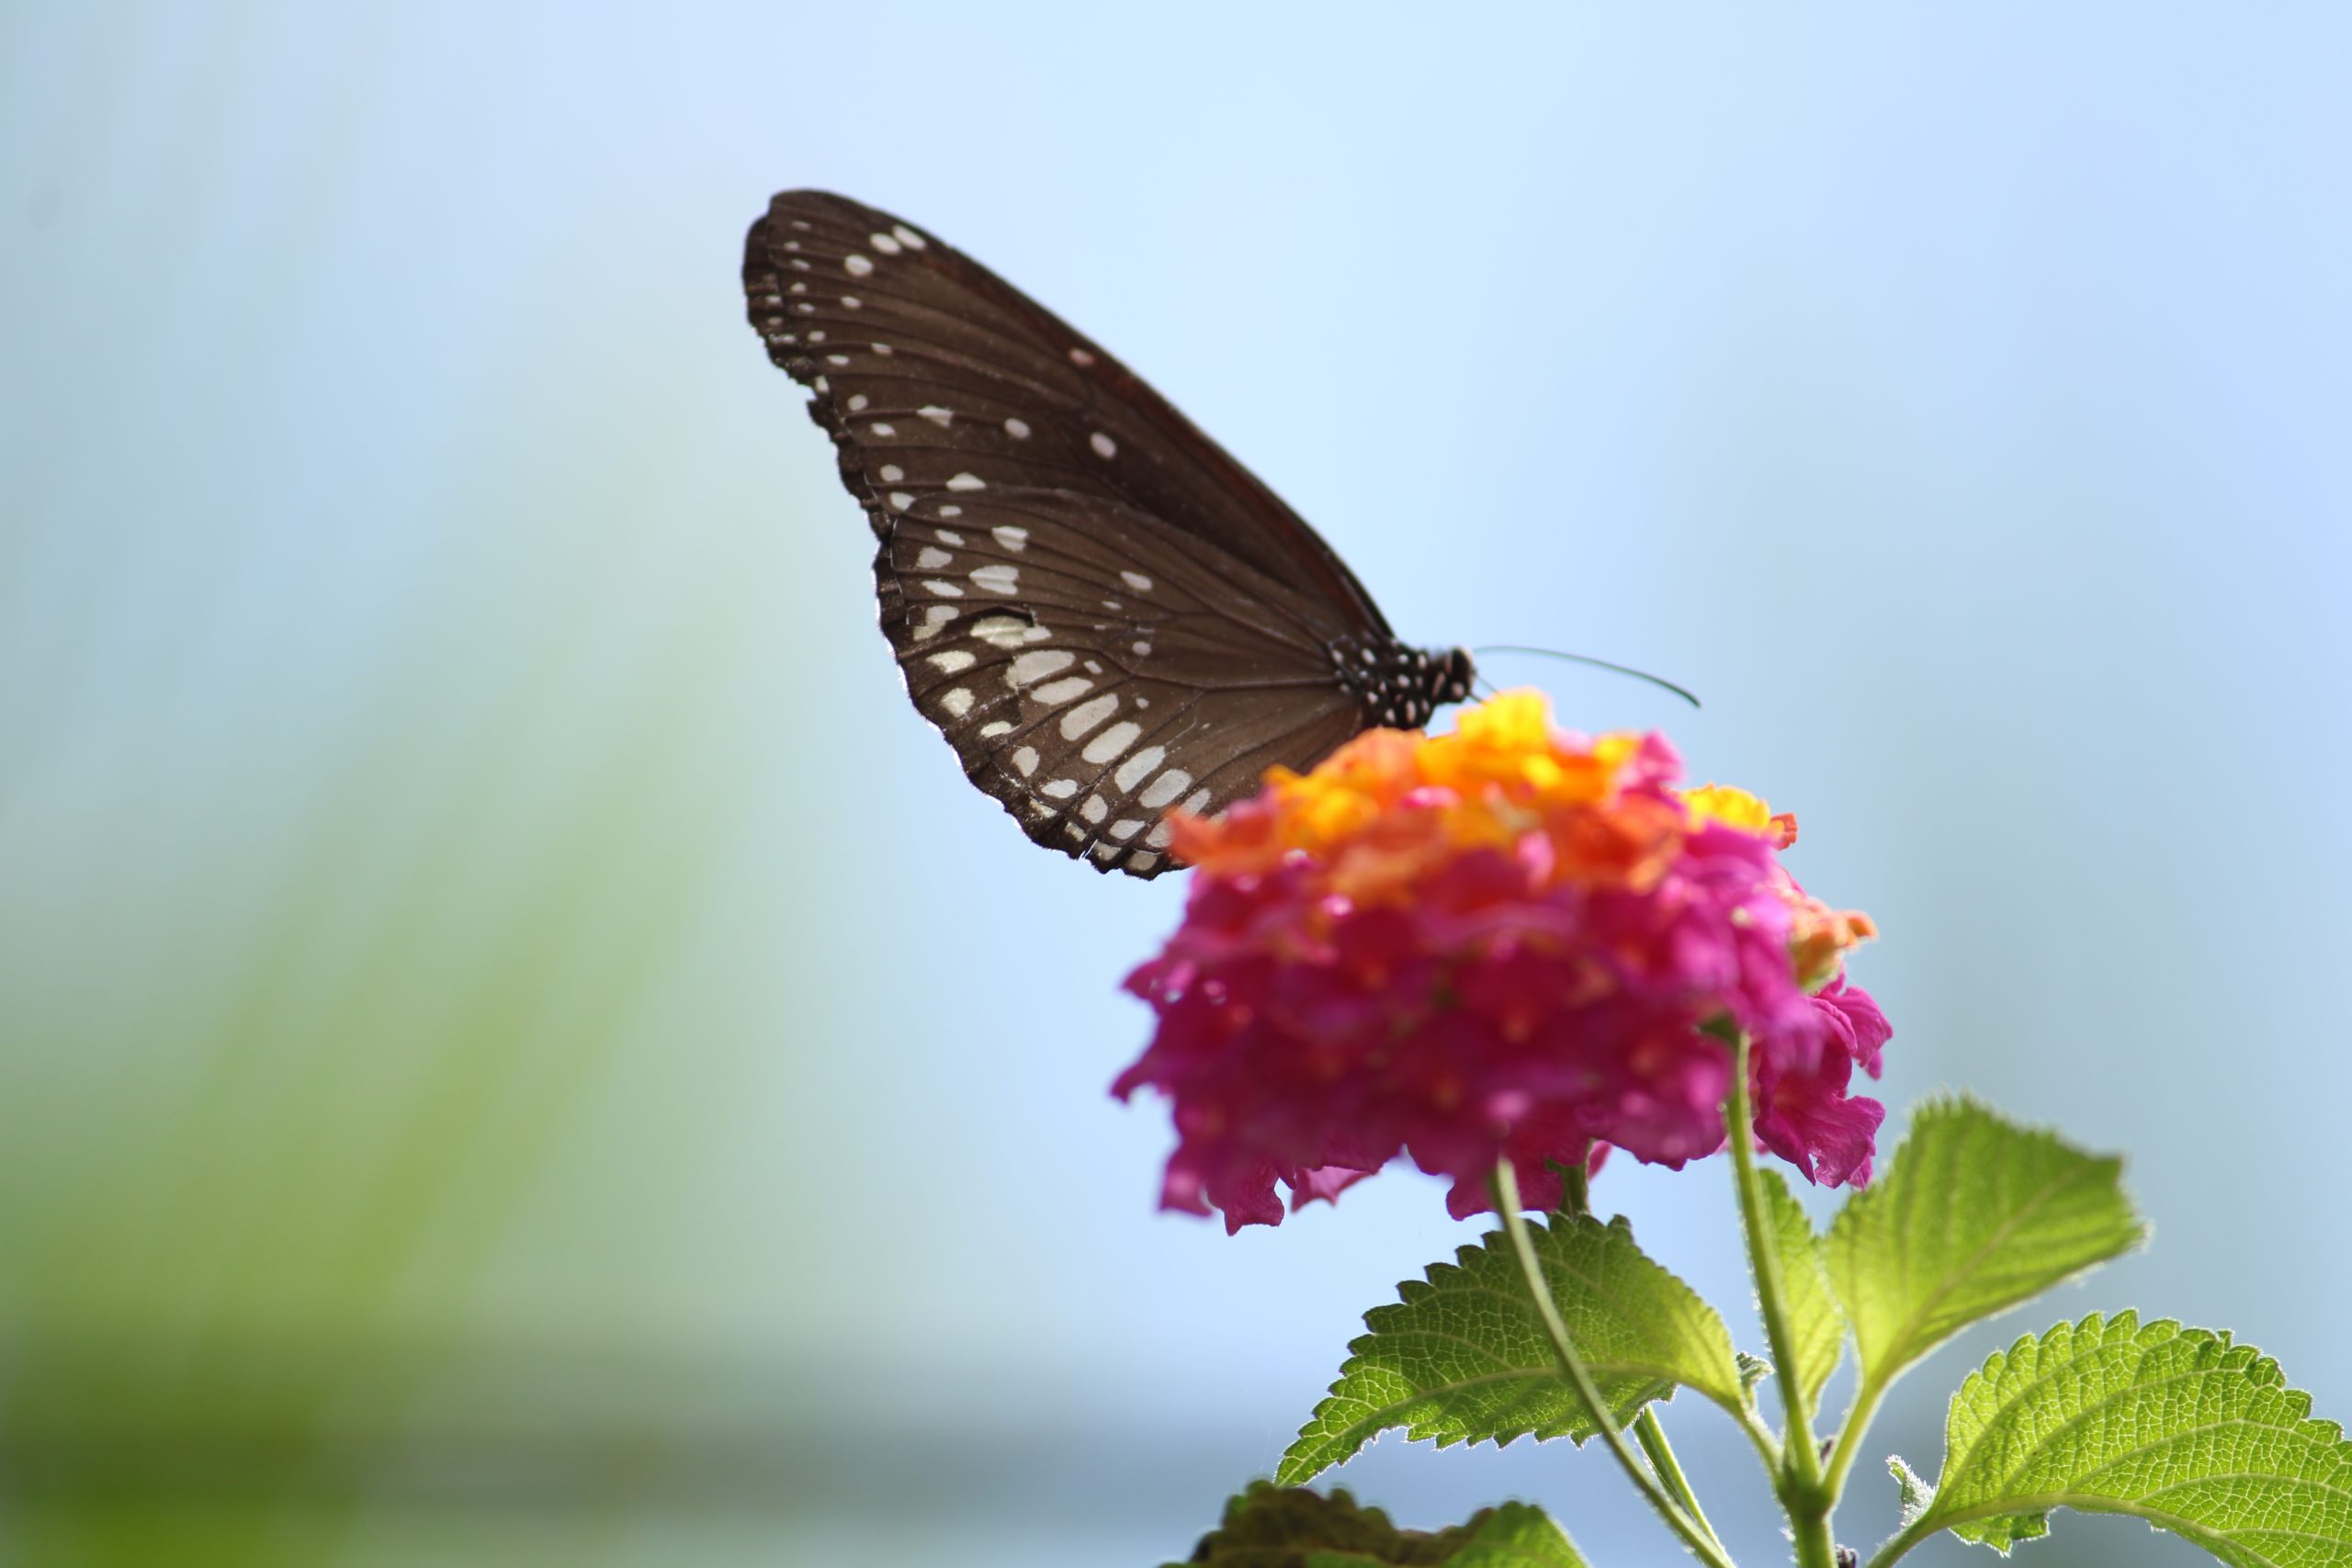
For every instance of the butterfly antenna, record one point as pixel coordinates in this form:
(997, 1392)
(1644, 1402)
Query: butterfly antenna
(1659, 681)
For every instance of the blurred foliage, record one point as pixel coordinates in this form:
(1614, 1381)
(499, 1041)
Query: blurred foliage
(304, 1011)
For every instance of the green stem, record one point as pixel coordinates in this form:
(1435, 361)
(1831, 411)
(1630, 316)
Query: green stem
(1695, 1536)
(1799, 1483)
(1886, 1555)
(1849, 1438)
(1651, 1434)
(1576, 1185)
(1576, 1198)
(1767, 1441)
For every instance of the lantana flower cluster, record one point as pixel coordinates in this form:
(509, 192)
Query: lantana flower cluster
(1505, 942)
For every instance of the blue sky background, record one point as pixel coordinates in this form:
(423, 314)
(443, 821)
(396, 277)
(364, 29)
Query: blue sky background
(492, 966)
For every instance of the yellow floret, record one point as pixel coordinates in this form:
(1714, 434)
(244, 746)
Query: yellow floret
(1726, 804)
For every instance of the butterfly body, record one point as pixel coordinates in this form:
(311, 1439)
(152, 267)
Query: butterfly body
(1105, 614)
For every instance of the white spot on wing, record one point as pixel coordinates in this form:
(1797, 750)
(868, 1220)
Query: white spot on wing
(1104, 446)
(1017, 428)
(1093, 810)
(1010, 536)
(931, 559)
(902, 499)
(1131, 771)
(891, 473)
(1139, 861)
(1063, 689)
(937, 415)
(954, 659)
(944, 590)
(1026, 758)
(1165, 788)
(989, 731)
(1004, 631)
(856, 401)
(949, 536)
(1088, 713)
(886, 431)
(857, 265)
(1035, 666)
(1080, 358)
(1158, 838)
(1060, 789)
(958, 702)
(1126, 828)
(1135, 580)
(967, 481)
(1112, 741)
(996, 576)
(908, 237)
(887, 243)
(1198, 804)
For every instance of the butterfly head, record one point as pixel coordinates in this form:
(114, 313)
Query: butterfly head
(1401, 687)
(1453, 674)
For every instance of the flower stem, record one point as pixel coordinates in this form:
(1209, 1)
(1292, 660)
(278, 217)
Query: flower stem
(1576, 1198)
(1799, 1484)
(1576, 1185)
(1651, 1434)
(1886, 1555)
(1850, 1437)
(1695, 1534)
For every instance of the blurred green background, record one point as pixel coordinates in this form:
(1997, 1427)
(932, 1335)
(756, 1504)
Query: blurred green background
(517, 1046)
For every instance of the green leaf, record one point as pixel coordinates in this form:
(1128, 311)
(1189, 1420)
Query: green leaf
(1916, 1492)
(2177, 1426)
(1271, 1527)
(1463, 1357)
(1817, 1326)
(1975, 1215)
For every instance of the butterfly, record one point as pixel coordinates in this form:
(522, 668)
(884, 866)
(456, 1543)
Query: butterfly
(1105, 614)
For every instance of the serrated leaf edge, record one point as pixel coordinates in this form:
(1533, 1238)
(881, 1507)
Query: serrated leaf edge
(2261, 1368)
(1661, 1387)
(1943, 1102)
(1489, 1530)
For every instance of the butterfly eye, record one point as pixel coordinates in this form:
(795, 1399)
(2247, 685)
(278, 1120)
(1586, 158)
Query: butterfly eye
(1106, 615)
